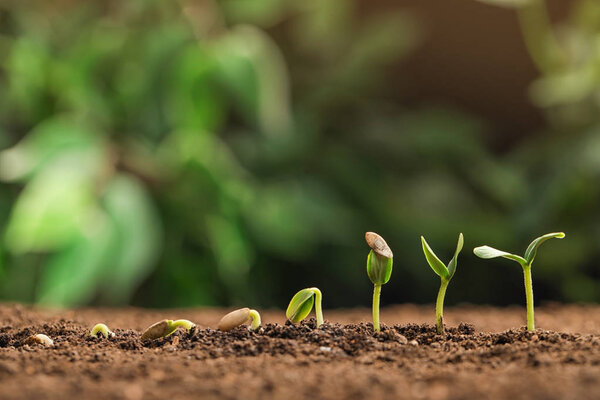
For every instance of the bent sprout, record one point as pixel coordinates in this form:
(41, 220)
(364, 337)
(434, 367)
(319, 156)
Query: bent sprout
(525, 262)
(101, 329)
(166, 327)
(302, 303)
(445, 273)
(240, 317)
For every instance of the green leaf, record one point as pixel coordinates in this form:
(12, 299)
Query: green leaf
(434, 262)
(138, 238)
(379, 268)
(490, 252)
(533, 247)
(454, 261)
(300, 306)
(70, 277)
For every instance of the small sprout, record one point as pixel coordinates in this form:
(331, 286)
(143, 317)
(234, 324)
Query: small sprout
(39, 339)
(379, 269)
(166, 327)
(302, 303)
(526, 262)
(240, 317)
(101, 329)
(445, 273)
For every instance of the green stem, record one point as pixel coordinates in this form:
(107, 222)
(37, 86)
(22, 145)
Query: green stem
(376, 295)
(173, 325)
(439, 307)
(318, 308)
(255, 320)
(529, 297)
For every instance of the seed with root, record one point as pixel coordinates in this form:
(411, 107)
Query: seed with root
(39, 339)
(101, 329)
(240, 317)
(166, 327)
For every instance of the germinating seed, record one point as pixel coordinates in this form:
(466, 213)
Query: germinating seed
(156, 330)
(234, 319)
(40, 339)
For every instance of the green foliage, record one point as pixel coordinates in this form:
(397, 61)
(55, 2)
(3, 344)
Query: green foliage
(302, 303)
(379, 268)
(161, 158)
(487, 252)
(445, 273)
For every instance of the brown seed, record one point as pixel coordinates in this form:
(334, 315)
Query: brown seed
(378, 244)
(40, 339)
(156, 330)
(234, 319)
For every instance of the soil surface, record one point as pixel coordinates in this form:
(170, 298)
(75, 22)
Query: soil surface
(484, 354)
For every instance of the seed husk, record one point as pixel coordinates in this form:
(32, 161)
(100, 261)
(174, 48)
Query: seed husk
(378, 244)
(234, 319)
(39, 339)
(156, 330)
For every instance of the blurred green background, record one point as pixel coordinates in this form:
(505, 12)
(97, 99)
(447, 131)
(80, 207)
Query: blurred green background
(231, 152)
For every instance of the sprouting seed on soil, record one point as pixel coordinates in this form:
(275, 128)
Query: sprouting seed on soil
(526, 262)
(40, 339)
(302, 303)
(166, 327)
(379, 269)
(445, 273)
(240, 317)
(101, 329)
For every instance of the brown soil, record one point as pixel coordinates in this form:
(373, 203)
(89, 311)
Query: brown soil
(482, 358)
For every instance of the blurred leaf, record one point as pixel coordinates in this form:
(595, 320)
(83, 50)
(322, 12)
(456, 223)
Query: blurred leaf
(60, 137)
(138, 238)
(70, 277)
(53, 209)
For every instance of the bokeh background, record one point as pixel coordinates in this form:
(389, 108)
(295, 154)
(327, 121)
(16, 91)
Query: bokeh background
(200, 152)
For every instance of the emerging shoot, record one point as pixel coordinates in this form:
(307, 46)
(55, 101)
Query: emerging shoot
(302, 303)
(101, 330)
(379, 269)
(526, 262)
(445, 273)
(240, 317)
(166, 327)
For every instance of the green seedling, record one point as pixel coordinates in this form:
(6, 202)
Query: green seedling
(445, 273)
(166, 327)
(240, 317)
(302, 303)
(526, 262)
(101, 330)
(39, 339)
(379, 269)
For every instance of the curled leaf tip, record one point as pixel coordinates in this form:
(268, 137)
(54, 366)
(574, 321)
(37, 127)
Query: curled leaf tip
(378, 244)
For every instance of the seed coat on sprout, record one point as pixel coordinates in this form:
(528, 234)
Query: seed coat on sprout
(379, 269)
